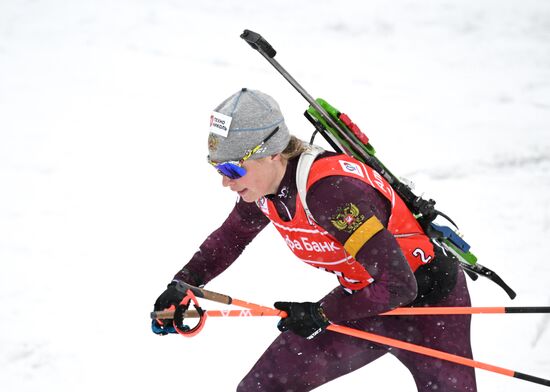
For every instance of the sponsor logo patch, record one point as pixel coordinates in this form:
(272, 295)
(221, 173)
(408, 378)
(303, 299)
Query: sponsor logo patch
(220, 123)
(284, 192)
(353, 168)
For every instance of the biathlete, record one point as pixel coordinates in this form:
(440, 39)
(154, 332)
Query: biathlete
(336, 214)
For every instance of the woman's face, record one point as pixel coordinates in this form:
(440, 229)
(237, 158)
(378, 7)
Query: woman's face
(262, 177)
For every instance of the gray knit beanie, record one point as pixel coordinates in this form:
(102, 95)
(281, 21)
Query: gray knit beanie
(241, 122)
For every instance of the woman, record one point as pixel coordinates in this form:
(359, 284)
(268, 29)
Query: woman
(337, 214)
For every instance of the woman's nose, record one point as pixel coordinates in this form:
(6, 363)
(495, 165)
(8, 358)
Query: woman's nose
(225, 181)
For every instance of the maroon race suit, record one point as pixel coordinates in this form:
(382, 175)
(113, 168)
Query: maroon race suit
(312, 244)
(340, 204)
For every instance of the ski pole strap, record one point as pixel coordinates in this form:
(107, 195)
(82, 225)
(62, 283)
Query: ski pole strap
(179, 314)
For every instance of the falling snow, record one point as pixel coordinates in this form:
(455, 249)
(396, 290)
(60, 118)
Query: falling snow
(105, 191)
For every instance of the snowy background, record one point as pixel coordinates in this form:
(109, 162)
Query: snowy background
(105, 193)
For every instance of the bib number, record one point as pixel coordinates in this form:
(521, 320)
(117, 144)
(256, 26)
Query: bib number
(418, 252)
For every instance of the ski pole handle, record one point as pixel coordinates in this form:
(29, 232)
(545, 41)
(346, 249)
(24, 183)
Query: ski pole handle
(202, 293)
(258, 43)
(222, 298)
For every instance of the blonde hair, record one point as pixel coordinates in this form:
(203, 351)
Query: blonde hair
(294, 148)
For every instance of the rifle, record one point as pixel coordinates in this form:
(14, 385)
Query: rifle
(345, 137)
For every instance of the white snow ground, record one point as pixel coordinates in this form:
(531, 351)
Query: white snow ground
(104, 193)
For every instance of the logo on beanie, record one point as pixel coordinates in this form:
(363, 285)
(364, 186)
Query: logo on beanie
(220, 123)
(213, 143)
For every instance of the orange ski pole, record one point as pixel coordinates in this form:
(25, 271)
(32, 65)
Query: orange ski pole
(169, 314)
(434, 353)
(425, 311)
(436, 310)
(216, 297)
(223, 299)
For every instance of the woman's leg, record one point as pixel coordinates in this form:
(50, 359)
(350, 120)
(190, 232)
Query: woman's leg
(449, 333)
(295, 364)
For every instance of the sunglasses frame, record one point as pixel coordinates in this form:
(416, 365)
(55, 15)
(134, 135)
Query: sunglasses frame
(234, 169)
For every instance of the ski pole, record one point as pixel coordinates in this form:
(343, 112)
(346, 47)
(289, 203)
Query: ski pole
(169, 314)
(435, 353)
(425, 311)
(225, 299)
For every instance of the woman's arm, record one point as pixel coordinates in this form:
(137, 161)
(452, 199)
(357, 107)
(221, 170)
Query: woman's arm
(394, 282)
(224, 245)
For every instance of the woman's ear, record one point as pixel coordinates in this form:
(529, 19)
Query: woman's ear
(276, 157)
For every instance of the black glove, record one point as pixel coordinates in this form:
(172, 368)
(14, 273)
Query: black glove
(170, 296)
(305, 319)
